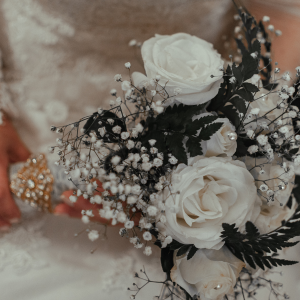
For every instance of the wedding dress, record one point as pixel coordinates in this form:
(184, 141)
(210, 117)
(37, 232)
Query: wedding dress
(59, 59)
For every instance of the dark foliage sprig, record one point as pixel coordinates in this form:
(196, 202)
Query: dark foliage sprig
(255, 248)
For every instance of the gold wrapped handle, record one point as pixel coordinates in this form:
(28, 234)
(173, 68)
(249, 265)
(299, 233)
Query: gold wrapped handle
(34, 183)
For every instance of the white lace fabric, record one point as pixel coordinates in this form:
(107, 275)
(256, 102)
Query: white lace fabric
(60, 57)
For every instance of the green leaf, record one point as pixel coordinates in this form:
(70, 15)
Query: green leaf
(175, 144)
(194, 147)
(251, 230)
(174, 245)
(250, 66)
(256, 47)
(244, 94)
(209, 130)
(239, 104)
(167, 259)
(231, 113)
(252, 246)
(250, 87)
(237, 72)
(194, 126)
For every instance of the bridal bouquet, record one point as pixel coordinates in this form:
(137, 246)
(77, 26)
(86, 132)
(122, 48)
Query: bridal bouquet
(198, 158)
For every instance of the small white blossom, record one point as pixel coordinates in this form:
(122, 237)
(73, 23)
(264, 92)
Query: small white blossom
(158, 186)
(284, 129)
(117, 129)
(113, 92)
(129, 224)
(263, 187)
(253, 149)
(292, 114)
(102, 131)
(266, 19)
(115, 160)
(148, 251)
(152, 142)
(118, 77)
(134, 133)
(157, 162)
(130, 144)
(125, 135)
(168, 240)
(136, 189)
(271, 27)
(126, 85)
(131, 199)
(250, 133)
(139, 127)
(73, 198)
(110, 121)
(93, 235)
(254, 111)
(286, 76)
(153, 93)
(163, 219)
(128, 65)
(121, 217)
(85, 219)
(278, 32)
(173, 160)
(232, 79)
(147, 236)
(262, 139)
(146, 166)
(152, 211)
(132, 43)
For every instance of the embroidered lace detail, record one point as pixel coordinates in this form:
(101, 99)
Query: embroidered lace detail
(18, 246)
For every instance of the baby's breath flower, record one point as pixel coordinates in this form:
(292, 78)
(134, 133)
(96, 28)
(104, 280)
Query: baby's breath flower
(93, 235)
(263, 187)
(152, 211)
(148, 251)
(147, 236)
(128, 65)
(262, 139)
(253, 149)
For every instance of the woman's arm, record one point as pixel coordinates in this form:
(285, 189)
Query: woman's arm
(12, 150)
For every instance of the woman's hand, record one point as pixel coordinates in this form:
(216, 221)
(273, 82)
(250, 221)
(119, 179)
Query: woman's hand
(12, 150)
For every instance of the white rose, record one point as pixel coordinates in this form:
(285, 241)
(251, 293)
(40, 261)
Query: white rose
(185, 62)
(211, 191)
(220, 142)
(209, 273)
(267, 103)
(271, 217)
(274, 176)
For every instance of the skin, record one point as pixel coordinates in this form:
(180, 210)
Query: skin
(13, 150)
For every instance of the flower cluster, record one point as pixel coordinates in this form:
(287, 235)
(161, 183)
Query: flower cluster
(193, 154)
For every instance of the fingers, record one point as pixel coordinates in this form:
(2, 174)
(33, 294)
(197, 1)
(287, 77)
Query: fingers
(9, 211)
(4, 225)
(65, 209)
(80, 204)
(11, 144)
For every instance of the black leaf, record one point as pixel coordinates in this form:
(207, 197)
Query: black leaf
(183, 250)
(192, 252)
(209, 130)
